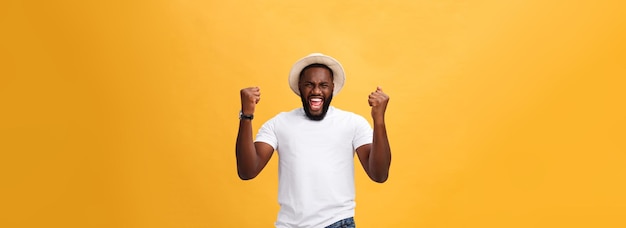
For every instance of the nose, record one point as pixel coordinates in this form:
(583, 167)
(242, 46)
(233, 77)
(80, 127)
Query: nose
(316, 91)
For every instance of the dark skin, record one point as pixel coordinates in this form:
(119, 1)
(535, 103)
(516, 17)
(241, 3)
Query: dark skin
(316, 83)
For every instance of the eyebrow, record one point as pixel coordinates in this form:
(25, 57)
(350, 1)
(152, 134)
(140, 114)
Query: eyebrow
(314, 82)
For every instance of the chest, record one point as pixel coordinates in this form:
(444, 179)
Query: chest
(324, 138)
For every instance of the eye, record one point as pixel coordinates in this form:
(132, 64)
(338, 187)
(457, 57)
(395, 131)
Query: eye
(324, 86)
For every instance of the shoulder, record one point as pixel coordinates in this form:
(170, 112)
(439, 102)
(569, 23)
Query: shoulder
(287, 115)
(293, 113)
(347, 115)
(341, 112)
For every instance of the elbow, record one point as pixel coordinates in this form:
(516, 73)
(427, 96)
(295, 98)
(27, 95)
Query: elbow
(379, 174)
(380, 179)
(246, 176)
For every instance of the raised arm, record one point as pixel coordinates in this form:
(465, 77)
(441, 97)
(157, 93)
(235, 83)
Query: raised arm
(376, 157)
(251, 157)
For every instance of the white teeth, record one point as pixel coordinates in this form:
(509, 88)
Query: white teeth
(316, 99)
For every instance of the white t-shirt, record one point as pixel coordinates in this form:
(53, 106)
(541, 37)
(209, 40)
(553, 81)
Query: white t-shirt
(316, 165)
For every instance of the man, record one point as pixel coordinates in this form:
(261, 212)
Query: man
(316, 145)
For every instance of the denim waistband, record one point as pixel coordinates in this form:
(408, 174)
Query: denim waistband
(344, 223)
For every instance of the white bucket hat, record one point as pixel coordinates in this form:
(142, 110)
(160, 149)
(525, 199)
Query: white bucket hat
(339, 76)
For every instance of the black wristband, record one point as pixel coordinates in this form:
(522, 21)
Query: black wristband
(245, 117)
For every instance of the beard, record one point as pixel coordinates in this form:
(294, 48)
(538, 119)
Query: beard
(307, 108)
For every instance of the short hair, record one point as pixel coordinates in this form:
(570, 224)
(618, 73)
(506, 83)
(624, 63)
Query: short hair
(332, 76)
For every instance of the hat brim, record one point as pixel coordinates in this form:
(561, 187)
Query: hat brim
(339, 76)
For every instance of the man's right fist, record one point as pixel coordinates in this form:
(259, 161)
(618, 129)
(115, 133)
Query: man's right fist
(249, 98)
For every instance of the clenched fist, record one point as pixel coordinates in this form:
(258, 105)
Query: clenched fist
(249, 98)
(378, 101)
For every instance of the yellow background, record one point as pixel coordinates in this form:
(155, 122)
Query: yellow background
(124, 113)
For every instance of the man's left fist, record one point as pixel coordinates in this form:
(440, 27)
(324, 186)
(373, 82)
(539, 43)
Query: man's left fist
(378, 101)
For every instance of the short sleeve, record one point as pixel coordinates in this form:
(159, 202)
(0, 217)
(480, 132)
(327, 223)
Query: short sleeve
(363, 132)
(267, 134)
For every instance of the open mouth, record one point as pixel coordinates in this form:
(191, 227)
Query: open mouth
(316, 104)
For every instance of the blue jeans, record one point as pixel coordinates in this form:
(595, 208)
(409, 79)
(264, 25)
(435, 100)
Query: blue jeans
(344, 223)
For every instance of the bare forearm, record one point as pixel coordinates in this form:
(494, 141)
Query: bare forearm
(380, 154)
(245, 151)
(379, 158)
